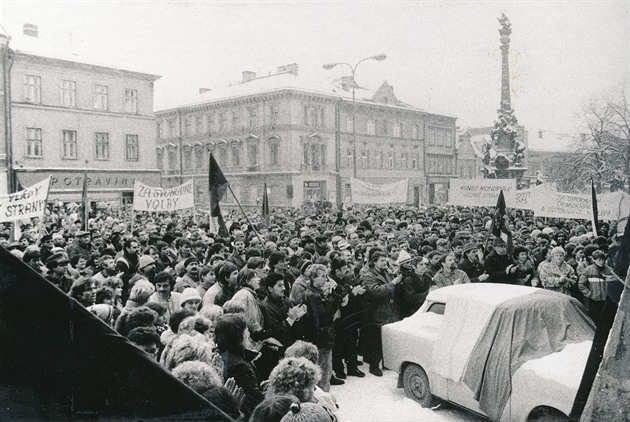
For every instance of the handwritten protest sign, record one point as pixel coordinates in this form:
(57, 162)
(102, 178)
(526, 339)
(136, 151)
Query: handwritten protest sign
(370, 193)
(27, 203)
(611, 206)
(148, 198)
(528, 199)
(480, 192)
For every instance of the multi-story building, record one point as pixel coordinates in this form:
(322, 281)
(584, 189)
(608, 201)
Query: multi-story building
(298, 138)
(549, 154)
(66, 117)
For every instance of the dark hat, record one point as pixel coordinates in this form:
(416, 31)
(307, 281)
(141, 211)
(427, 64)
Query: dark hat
(81, 233)
(14, 245)
(469, 247)
(190, 261)
(46, 238)
(56, 259)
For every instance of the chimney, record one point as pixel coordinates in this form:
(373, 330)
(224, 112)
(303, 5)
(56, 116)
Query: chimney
(540, 134)
(248, 76)
(292, 69)
(282, 69)
(204, 90)
(30, 30)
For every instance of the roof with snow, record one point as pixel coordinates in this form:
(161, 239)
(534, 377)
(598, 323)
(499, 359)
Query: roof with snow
(42, 47)
(290, 81)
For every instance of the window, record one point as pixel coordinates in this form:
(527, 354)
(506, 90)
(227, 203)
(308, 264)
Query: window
(171, 128)
(350, 158)
(236, 121)
(32, 89)
(396, 130)
(414, 162)
(223, 121)
(223, 154)
(415, 132)
(305, 116)
(236, 155)
(439, 137)
(322, 115)
(307, 155)
(131, 101)
(403, 160)
(274, 115)
(100, 97)
(186, 126)
(314, 119)
(209, 123)
(68, 93)
(172, 158)
(102, 146)
(379, 159)
(448, 134)
(315, 156)
(34, 142)
(69, 144)
(371, 127)
(364, 159)
(274, 154)
(349, 124)
(160, 158)
(187, 157)
(160, 130)
(432, 136)
(131, 147)
(437, 308)
(252, 154)
(253, 117)
(390, 159)
(198, 156)
(386, 127)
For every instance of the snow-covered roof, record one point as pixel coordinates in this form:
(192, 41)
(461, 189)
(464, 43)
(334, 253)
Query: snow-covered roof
(477, 142)
(287, 81)
(543, 140)
(42, 47)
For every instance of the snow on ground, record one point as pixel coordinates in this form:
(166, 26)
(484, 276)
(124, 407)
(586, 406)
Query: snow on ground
(377, 399)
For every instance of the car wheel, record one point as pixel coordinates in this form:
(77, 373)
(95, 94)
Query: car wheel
(416, 384)
(545, 413)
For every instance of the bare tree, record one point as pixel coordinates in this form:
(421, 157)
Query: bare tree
(604, 150)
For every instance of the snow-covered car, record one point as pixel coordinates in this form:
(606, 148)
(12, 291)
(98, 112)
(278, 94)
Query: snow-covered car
(506, 352)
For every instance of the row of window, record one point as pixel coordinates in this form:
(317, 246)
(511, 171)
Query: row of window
(380, 160)
(70, 148)
(217, 122)
(440, 137)
(226, 156)
(441, 164)
(68, 94)
(384, 128)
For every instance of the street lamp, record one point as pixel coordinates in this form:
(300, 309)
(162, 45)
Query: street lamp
(328, 66)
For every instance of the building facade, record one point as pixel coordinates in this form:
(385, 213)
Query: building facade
(69, 117)
(298, 138)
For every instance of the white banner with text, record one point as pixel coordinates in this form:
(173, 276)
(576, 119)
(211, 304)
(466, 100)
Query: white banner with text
(481, 192)
(370, 193)
(149, 198)
(27, 203)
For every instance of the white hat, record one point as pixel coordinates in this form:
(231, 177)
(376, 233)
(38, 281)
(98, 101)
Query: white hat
(189, 293)
(403, 257)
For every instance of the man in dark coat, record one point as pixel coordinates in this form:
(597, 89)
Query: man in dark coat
(470, 264)
(497, 262)
(380, 286)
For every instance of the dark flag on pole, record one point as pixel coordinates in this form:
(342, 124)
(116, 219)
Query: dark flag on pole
(594, 217)
(499, 226)
(217, 184)
(265, 206)
(85, 204)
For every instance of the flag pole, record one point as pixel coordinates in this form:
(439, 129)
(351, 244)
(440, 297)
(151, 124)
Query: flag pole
(245, 214)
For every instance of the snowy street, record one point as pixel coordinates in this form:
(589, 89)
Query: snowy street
(377, 399)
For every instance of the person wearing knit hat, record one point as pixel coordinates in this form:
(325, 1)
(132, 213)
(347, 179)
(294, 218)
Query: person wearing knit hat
(307, 412)
(190, 299)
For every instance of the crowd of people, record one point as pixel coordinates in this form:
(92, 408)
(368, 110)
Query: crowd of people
(263, 321)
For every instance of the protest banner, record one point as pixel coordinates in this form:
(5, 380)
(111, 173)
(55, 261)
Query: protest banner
(148, 198)
(611, 206)
(370, 193)
(527, 199)
(25, 204)
(481, 192)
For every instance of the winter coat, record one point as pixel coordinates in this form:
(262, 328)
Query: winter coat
(472, 269)
(253, 315)
(551, 277)
(379, 297)
(455, 276)
(415, 289)
(275, 313)
(495, 265)
(238, 365)
(592, 282)
(320, 315)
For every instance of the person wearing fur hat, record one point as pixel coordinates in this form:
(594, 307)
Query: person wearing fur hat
(496, 263)
(190, 299)
(307, 412)
(381, 308)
